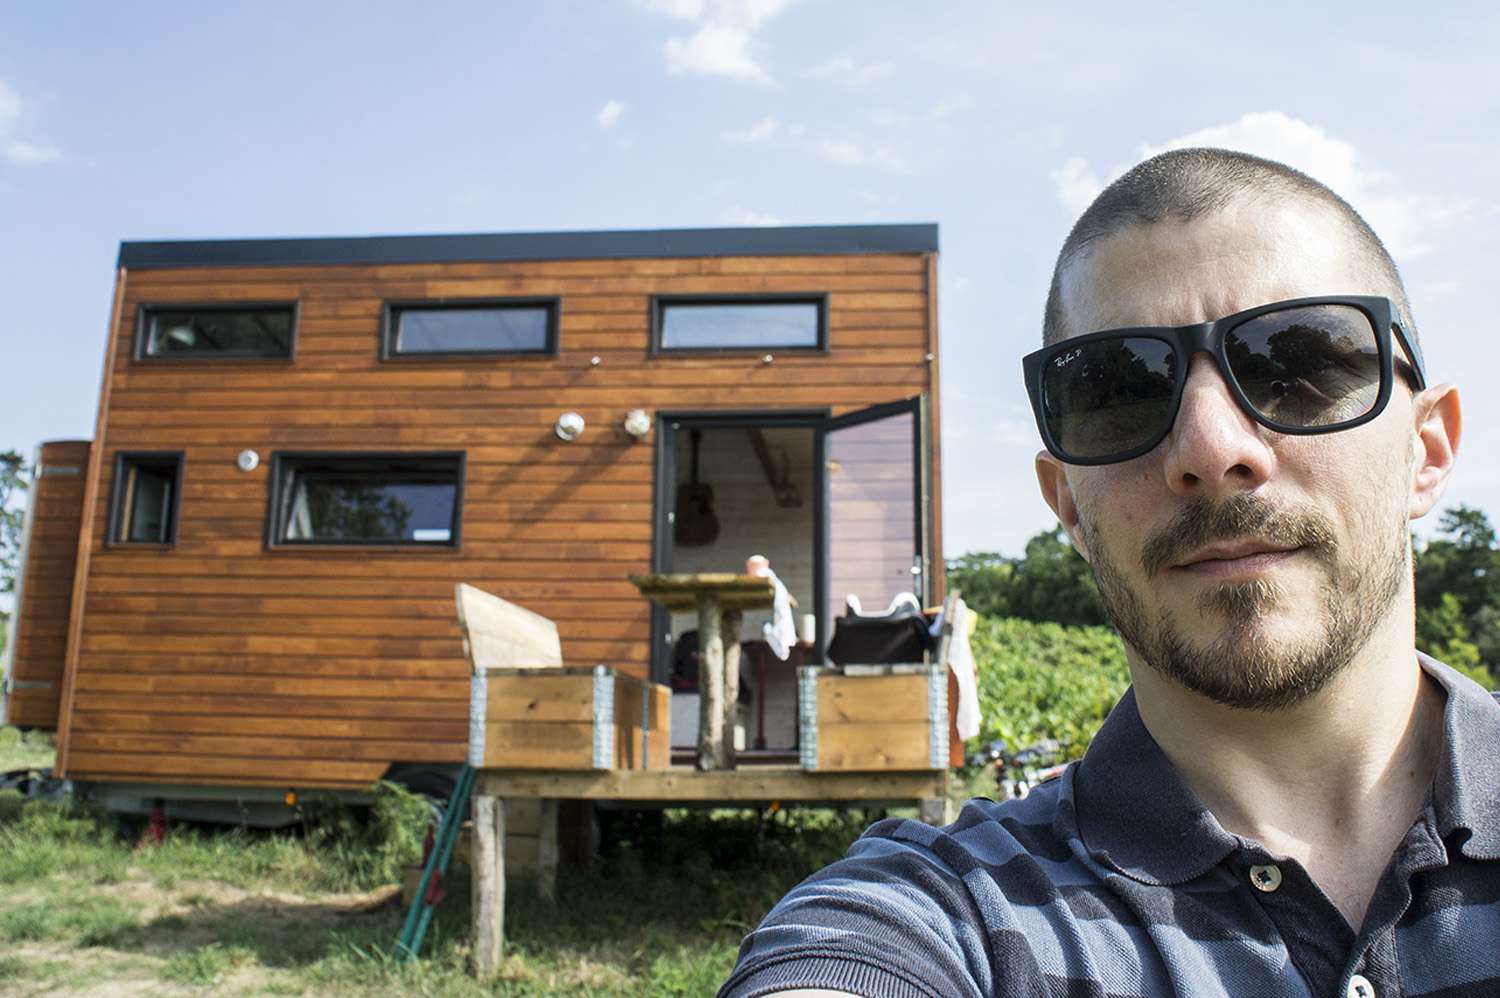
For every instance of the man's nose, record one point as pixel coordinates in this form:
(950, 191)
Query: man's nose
(1214, 447)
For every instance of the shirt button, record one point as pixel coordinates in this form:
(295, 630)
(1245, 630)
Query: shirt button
(1267, 879)
(1360, 988)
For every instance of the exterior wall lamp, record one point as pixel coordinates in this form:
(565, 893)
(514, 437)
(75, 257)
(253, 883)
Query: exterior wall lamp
(569, 426)
(637, 423)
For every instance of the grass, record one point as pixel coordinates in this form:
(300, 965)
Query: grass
(659, 912)
(25, 749)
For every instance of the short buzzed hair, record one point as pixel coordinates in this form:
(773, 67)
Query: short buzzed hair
(1185, 184)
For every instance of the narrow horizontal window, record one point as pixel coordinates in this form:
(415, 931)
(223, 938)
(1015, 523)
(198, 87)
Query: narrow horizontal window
(491, 327)
(147, 491)
(213, 331)
(401, 499)
(740, 324)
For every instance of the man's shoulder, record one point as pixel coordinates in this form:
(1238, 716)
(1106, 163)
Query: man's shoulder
(913, 906)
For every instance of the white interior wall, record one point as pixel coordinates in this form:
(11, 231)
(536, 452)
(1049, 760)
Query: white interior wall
(752, 522)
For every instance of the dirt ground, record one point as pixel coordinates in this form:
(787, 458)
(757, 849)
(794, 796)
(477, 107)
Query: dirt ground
(192, 917)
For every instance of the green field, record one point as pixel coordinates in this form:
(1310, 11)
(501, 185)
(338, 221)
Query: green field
(85, 909)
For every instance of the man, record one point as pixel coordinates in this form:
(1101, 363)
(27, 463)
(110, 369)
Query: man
(1290, 800)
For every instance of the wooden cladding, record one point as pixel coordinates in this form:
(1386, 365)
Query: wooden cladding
(568, 719)
(326, 665)
(39, 638)
(872, 718)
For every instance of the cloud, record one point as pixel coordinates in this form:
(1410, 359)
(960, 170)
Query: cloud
(725, 36)
(846, 72)
(886, 118)
(847, 153)
(843, 153)
(763, 130)
(1404, 219)
(23, 153)
(951, 105)
(685, 10)
(1015, 433)
(1077, 184)
(17, 150)
(609, 114)
(10, 107)
(736, 215)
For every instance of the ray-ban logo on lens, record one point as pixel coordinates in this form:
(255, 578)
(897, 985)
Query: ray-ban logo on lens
(1063, 360)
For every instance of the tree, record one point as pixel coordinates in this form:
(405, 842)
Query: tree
(13, 483)
(1458, 590)
(1050, 581)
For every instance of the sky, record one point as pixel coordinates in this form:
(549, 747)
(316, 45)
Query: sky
(999, 121)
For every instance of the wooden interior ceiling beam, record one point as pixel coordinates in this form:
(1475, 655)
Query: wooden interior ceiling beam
(787, 494)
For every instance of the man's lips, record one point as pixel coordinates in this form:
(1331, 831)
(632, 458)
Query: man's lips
(1250, 558)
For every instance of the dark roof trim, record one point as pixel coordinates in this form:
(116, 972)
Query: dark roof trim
(793, 241)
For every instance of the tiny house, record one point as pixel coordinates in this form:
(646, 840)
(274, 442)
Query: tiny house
(245, 579)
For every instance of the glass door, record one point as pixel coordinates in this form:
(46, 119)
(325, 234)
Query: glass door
(877, 507)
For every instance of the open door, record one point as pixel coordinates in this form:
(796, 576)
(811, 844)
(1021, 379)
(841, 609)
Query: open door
(877, 497)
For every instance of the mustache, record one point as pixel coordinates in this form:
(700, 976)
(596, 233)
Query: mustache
(1204, 521)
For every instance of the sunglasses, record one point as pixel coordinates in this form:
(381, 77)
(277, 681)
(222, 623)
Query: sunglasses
(1309, 365)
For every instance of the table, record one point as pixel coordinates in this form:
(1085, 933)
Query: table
(721, 598)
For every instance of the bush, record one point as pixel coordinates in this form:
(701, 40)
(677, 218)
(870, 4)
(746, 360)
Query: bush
(1044, 680)
(372, 849)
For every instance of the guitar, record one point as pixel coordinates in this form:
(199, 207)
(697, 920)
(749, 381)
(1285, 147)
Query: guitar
(694, 523)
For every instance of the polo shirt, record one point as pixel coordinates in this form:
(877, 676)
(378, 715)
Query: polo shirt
(1115, 880)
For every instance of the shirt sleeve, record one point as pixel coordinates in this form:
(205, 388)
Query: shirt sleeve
(890, 919)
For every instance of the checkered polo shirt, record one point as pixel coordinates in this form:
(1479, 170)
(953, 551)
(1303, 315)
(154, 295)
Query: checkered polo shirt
(1116, 880)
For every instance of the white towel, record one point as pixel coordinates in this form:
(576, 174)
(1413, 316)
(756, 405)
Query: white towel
(781, 630)
(961, 661)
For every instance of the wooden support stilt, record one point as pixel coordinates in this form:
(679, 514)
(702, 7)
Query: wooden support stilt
(731, 636)
(488, 884)
(710, 683)
(546, 864)
(933, 810)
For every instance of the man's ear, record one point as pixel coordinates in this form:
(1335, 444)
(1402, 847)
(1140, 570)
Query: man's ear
(1052, 476)
(1438, 423)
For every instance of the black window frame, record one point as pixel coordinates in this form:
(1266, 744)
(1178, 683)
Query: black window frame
(145, 312)
(660, 303)
(285, 463)
(390, 315)
(123, 459)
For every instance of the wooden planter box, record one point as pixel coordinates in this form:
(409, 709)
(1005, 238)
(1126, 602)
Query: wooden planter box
(567, 718)
(873, 717)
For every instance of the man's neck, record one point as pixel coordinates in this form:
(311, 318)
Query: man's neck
(1333, 782)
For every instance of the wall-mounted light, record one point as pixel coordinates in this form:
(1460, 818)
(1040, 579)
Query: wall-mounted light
(637, 423)
(247, 460)
(569, 426)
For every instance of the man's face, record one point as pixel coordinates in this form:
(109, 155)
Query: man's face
(1246, 565)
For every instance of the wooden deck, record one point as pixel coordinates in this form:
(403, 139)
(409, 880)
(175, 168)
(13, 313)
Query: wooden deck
(673, 787)
(682, 786)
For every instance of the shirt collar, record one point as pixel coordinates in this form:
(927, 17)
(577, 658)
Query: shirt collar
(1135, 814)
(1466, 794)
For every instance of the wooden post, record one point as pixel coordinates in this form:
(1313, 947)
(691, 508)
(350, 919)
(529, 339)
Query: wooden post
(731, 632)
(488, 884)
(933, 810)
(710, 683)
(546, 863)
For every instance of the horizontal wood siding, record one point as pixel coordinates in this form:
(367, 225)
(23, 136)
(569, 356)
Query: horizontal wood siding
(41, 630)
(218, 661)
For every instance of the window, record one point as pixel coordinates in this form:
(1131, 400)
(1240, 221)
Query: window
(750, 323)
(404, 499)
(148, 488)
(504, 326)
(210, 331)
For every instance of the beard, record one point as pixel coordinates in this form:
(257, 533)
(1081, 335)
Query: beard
(1242, 667)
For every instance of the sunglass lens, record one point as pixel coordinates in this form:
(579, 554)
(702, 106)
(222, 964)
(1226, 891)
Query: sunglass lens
(1108, 397)
(1313, 366)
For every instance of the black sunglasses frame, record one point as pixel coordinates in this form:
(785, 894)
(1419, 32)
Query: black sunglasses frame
(1208, 337)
